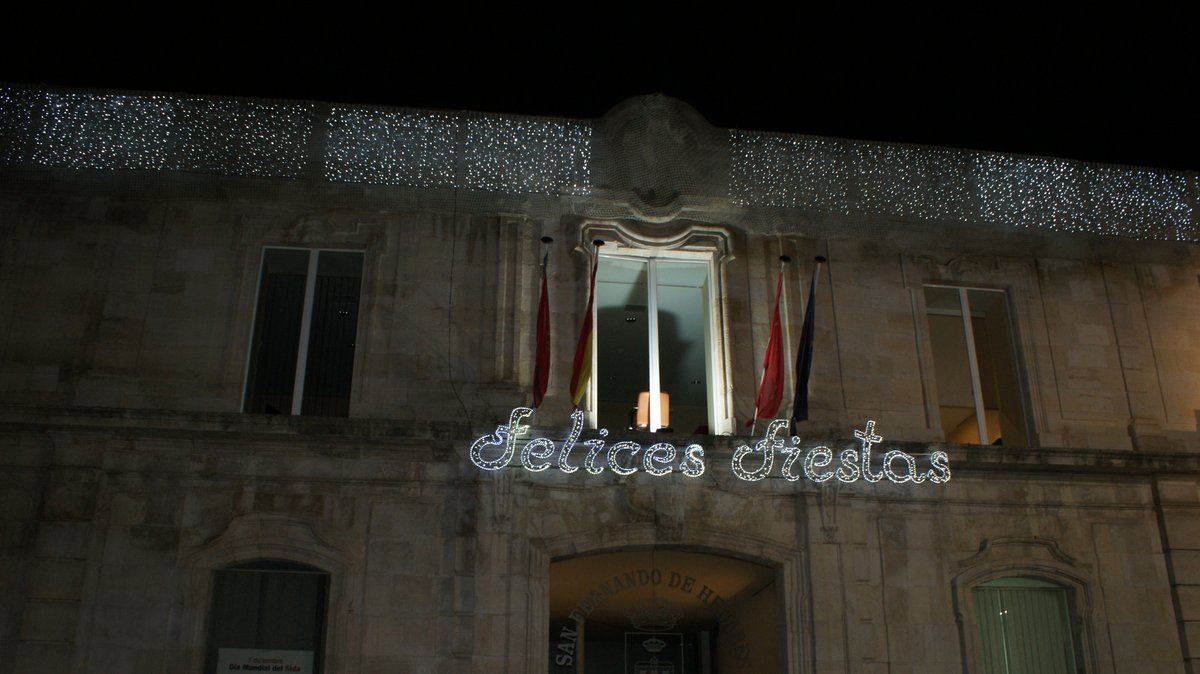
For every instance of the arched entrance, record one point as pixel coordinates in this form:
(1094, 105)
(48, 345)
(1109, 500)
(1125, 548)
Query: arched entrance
(664, 611)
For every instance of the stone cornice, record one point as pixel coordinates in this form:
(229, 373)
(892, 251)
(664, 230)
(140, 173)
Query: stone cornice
(966, 460)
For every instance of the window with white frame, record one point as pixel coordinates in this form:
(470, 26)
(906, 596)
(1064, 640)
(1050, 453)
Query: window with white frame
(979, 392)
(658, 367)
(302, 350)
(267, 612)
(1026, 625)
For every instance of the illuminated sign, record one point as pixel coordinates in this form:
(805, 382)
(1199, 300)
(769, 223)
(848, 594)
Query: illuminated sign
(750, 462)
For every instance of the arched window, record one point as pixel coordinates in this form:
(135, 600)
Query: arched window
(1026, 625)
(267, 615)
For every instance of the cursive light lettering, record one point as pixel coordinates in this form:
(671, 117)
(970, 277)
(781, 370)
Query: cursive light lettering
(750, 462)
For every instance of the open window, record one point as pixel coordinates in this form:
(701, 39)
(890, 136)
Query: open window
(658, 367)
(1025, 625)
(302, 350)
(979, 390)
(268, 615)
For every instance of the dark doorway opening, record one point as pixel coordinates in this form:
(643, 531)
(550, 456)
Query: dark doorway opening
(664, 611)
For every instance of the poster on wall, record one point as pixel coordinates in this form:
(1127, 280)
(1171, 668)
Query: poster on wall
(259, 660)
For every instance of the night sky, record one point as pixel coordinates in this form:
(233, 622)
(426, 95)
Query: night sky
(1083, 100)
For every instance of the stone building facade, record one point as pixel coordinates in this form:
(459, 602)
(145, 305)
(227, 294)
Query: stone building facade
(155, 486)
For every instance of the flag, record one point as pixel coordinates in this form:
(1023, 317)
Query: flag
(581, 368)
(770, 390)
(541, 367)
(804, 354)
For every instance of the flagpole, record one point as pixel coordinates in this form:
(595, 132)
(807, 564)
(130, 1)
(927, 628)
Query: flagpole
(541, 355)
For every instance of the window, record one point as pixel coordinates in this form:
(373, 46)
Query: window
(656, 363)
(302, 353)
(979, 393)
(267, 613)
(1025, 626)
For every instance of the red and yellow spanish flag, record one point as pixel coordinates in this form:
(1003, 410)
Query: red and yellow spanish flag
(581, 368)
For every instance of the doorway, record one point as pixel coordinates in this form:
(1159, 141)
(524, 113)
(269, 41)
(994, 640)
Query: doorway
(663, 611)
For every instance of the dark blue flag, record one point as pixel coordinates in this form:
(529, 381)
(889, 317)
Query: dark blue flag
(804, 355)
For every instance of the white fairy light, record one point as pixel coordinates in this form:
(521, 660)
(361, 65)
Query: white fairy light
(569, 443)
(1018, 192)
(616, 449)
(941, 464)
(526, 156)
(867, 438)
(117, 132)
(505, 436)
(246, 138)
(817, 457)
(595, 447)
(412, 149)
(521, 155)
(537, 455)
(537, 448)
(791, 455)
(693, 461)
(95, 131)
(17, 109)
(909, 461)
(850, 470)
(767, 447)
(658, 457)
(501, 153)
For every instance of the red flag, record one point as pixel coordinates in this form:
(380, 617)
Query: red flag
(541, 368)
(770, 391)
(581, 368)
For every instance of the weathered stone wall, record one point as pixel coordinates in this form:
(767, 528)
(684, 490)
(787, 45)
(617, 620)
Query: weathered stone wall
(128, 475)
(138, 292)
(118, 522)
(115, 522)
